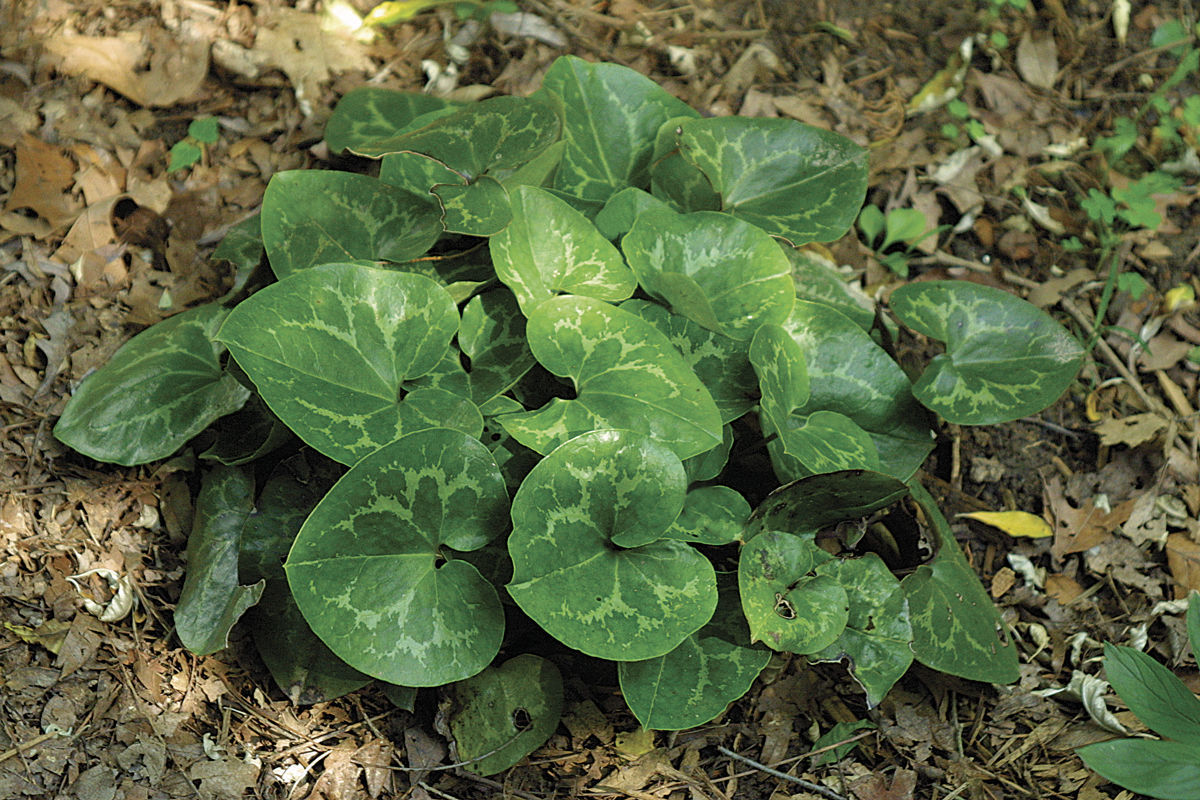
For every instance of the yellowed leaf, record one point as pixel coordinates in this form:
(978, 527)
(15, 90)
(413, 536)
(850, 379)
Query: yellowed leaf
(635, 743)
(49, 634)
(1014, 523)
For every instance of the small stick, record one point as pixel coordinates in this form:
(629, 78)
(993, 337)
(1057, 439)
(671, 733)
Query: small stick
(812, 787)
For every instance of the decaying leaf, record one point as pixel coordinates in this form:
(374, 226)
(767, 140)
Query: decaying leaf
(1132, 430)
(1079, 529)
(151, 68)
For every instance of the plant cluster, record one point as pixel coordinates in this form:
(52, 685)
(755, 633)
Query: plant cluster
(562, 371)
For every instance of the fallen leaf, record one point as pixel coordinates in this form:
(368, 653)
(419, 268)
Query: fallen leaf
(1183, 560)
(1132, 430)
(1062, 588)
(876, 787)
(1079, 529)
(1002, 581)
(1014, 523)
(151, 68)
(44, 177)
(1037, 59)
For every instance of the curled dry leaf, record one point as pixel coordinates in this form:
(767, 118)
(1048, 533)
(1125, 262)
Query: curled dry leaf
(152, 69)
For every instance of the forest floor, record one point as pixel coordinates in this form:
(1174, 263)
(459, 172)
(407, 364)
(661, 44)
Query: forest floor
(1052, 105)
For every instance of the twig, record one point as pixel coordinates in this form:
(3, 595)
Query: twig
(809, 785)
(496, 785)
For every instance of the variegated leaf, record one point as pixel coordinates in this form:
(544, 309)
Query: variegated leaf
(578, 569)
(369, 114)
(712, 515)
(627, 376)
(374, 571)
(1005, 358)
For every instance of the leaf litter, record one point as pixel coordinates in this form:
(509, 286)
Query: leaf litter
(91, 99)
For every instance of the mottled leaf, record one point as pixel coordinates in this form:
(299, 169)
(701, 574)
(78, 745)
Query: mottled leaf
(876, 641)
(627, 376)
(505, 713)
(492, 336)
(313, 217)
(852, 376)
(806, 506)
(477, 208)
(722, 273)
(792, 180)
(956, 629)
(373, 568)
(610, 117)
(369, 114)
(550, 248)
(1005, 358)
(790, 607)
(713, 515)
(578, 569)
(818, 281)
(211, 600)
(721, 363)
(331, 349)
(162, 387)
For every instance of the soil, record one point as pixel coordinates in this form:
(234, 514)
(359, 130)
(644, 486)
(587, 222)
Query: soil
(98, 241)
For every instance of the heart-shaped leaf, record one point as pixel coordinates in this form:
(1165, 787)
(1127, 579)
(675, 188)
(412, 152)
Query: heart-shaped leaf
(816, 442)
(211, 600)
(494, 134)
(620, 211)
(988, 374)
(492, 336)
(720, 362)
(550, 247)
(725, 274)
(694, 683)
(876, 641)
(794, 181)
(707, 466)
(312, 217)
(610, 117)
(330, 350)
(789, 606)
(627, 376)
(819, 281)
(955, 625)
(373, 571)
(478, 208)
(852, 376)
(806, 506)
(578, 569)
(162, 387)
(675, 180)
(505, 713)
(712, 515)
(367, 115)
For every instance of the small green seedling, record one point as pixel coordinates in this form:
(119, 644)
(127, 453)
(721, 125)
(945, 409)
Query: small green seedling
(1166, 768)
(188, 151)
(899, 226)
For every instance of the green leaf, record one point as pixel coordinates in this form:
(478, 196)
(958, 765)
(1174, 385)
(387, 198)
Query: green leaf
(331, 349)
(720, 272)
(719, 362)
(493, 134)
(795, 181)
(505, 713)
(956, 629)
(870, 222)
(368, 115)
(838, 733)
(492, 336)
(627, 376)
(712, 515)
(551, 248)
(162, 387)
(247, 434)
(183, 155)
(300, 664)
(586, 566)
(1153, 693)
(211, 600)
(852, 376)
(789, 606)
(312, 217)
(876, 641)
(695, 682)
(782, 374)
(373, 571)
(1005, 358)
(620, 211)
(675, 180)
(243, 248)
(903, 225)
(478, 208)
(806, 506)
(1166, 770)
(818, 281)
(204, 130)
(1193, 623)
(707, 466)
(610, 117)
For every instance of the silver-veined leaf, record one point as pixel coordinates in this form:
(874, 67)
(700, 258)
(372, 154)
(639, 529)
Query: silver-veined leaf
(369, 114)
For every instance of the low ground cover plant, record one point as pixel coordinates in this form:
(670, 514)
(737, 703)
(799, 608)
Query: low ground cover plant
(561, 377)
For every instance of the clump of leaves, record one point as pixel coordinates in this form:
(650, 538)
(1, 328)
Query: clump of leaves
(1167, 768)
(535, 376)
